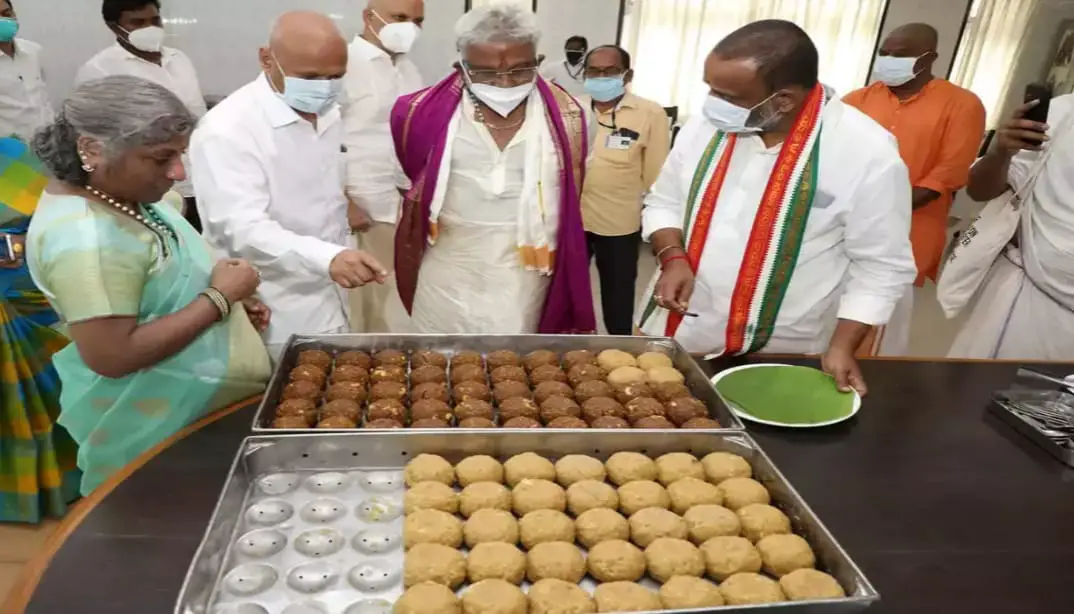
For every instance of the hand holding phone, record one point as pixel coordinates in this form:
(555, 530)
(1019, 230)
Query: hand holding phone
(1028, 127)
(1043, 95)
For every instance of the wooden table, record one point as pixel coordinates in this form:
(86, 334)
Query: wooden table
(946, 509)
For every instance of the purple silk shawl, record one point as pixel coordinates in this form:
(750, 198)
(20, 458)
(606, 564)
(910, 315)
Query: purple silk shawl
(419, 125)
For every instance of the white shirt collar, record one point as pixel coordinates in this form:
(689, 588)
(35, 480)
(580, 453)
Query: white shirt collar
(368, 51)
(166, 53)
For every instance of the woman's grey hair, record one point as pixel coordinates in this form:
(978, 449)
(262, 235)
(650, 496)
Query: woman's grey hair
(503, 22)
(119, 112)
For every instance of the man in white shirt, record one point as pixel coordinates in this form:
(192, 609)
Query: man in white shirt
(268, 169)
(24, 105)
(139, 51)
(378, 73)
(1025, 309)
(567, 72)
(803, 200)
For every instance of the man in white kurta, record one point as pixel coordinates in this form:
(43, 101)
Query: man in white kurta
(268, 168)
(379, 71)
(24, 104)
(844, 251)
(1025, 307)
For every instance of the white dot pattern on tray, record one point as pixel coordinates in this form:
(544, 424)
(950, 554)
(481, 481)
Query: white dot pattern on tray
(316, 542)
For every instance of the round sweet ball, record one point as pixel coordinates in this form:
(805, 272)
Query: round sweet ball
(428, 408)
(547, 373)
(727, 556)
(477, 423)
(665, 375)
(434, 563)
(559, 560)
(511, 389)
(760, 520)
(472, 391)
(690, 492)
(508, 373)
(351, 373)
(638, 390)
(610, 422)
(624, 376)
(688, 593)
(429, 468)
(521, 422)
(296, 407)
(428, 375)
(559, 407)
(348, 391)
(579, 357)
(644, 407)
(317, 358)
(678, 465)
(585, 372)
(396, 358)
(528, 465)
(494, 597)
(585, 495)
(467, 373)
(750, 589)
(653, 360)
(428, 598)
(542, 526)
(600, 524)
(610, 360)
(503, 358)
(625, 597)
(388, 390)
(701, 423)
(519, 407)
(783, 554)
(484, 496)
(383, 423)
(707, 521)
(684, 409)
(490, 525)
(568, 422)
(301, 390)
(720, 466)
(640, 494)
(432, 527)
(429, 358)
(616, 561)
(551, 596)
(624, 467)
(578, 467)
(600, 407)
(356, 358)
(293, 422)
(740, 492)
(430, 423)
(430, 496)
(654, 422)
(546, 390)
(431, 391)
(668, 557)
(652, 523)
(540, 358)
(809, 584)
(473, 408)
(595, 389)
(497, 560)
(479, 468)
(535, 494)
(342, 408)
(669, 390)
(337, 422)
(389, 373)
(308, 373)
(467, 357)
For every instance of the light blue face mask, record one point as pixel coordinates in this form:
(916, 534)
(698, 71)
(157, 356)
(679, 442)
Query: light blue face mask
(605, 89)
(309, 95)
(8, 29)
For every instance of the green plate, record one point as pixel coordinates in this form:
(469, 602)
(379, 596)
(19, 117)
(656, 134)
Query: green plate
(785, 395)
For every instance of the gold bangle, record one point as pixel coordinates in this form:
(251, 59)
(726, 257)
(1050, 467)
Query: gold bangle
(663, 251)
(217, 299)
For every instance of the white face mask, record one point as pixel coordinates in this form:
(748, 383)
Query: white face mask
(894, 71)
(731, 118)
(397, 37)
(314, 96)
(149, 40)
(502, 100)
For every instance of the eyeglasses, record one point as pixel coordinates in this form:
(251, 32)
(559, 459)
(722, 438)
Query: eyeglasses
(596, 73)
(517, 76)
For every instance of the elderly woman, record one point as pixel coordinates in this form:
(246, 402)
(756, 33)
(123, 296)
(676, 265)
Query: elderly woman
(496, 156)
(161, 334)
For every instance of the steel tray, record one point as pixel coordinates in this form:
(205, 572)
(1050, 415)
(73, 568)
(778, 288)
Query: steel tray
(1029, 428)
(696, 379)
(306, 454)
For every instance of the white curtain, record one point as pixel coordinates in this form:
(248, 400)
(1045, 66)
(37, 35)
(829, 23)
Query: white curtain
(479, 3)
(670, 40)
(989, 48)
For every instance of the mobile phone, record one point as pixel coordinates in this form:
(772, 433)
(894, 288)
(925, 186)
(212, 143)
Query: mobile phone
(1043, 93)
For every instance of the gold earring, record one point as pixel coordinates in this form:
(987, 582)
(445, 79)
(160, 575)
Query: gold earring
(85, 165)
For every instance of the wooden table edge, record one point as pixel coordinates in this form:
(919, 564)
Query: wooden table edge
(30, 576)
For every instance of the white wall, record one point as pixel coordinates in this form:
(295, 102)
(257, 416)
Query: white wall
(944, 15)
(597, 20)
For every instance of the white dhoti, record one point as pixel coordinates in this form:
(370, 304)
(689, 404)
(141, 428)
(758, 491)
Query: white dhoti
(368, 303)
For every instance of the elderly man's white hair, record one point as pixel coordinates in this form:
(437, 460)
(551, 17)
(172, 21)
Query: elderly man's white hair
(502, 22)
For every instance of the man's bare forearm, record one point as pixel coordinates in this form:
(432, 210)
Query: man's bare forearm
(666, 240)
(848, 335)
(988, 177)
(923, 196)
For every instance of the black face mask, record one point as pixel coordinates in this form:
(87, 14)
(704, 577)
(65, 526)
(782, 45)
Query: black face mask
(574, 57)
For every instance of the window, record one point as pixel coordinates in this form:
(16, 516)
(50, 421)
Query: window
(670, 40)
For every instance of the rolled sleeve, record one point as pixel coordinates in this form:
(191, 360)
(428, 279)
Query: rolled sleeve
(961, 141)
(878, 244)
